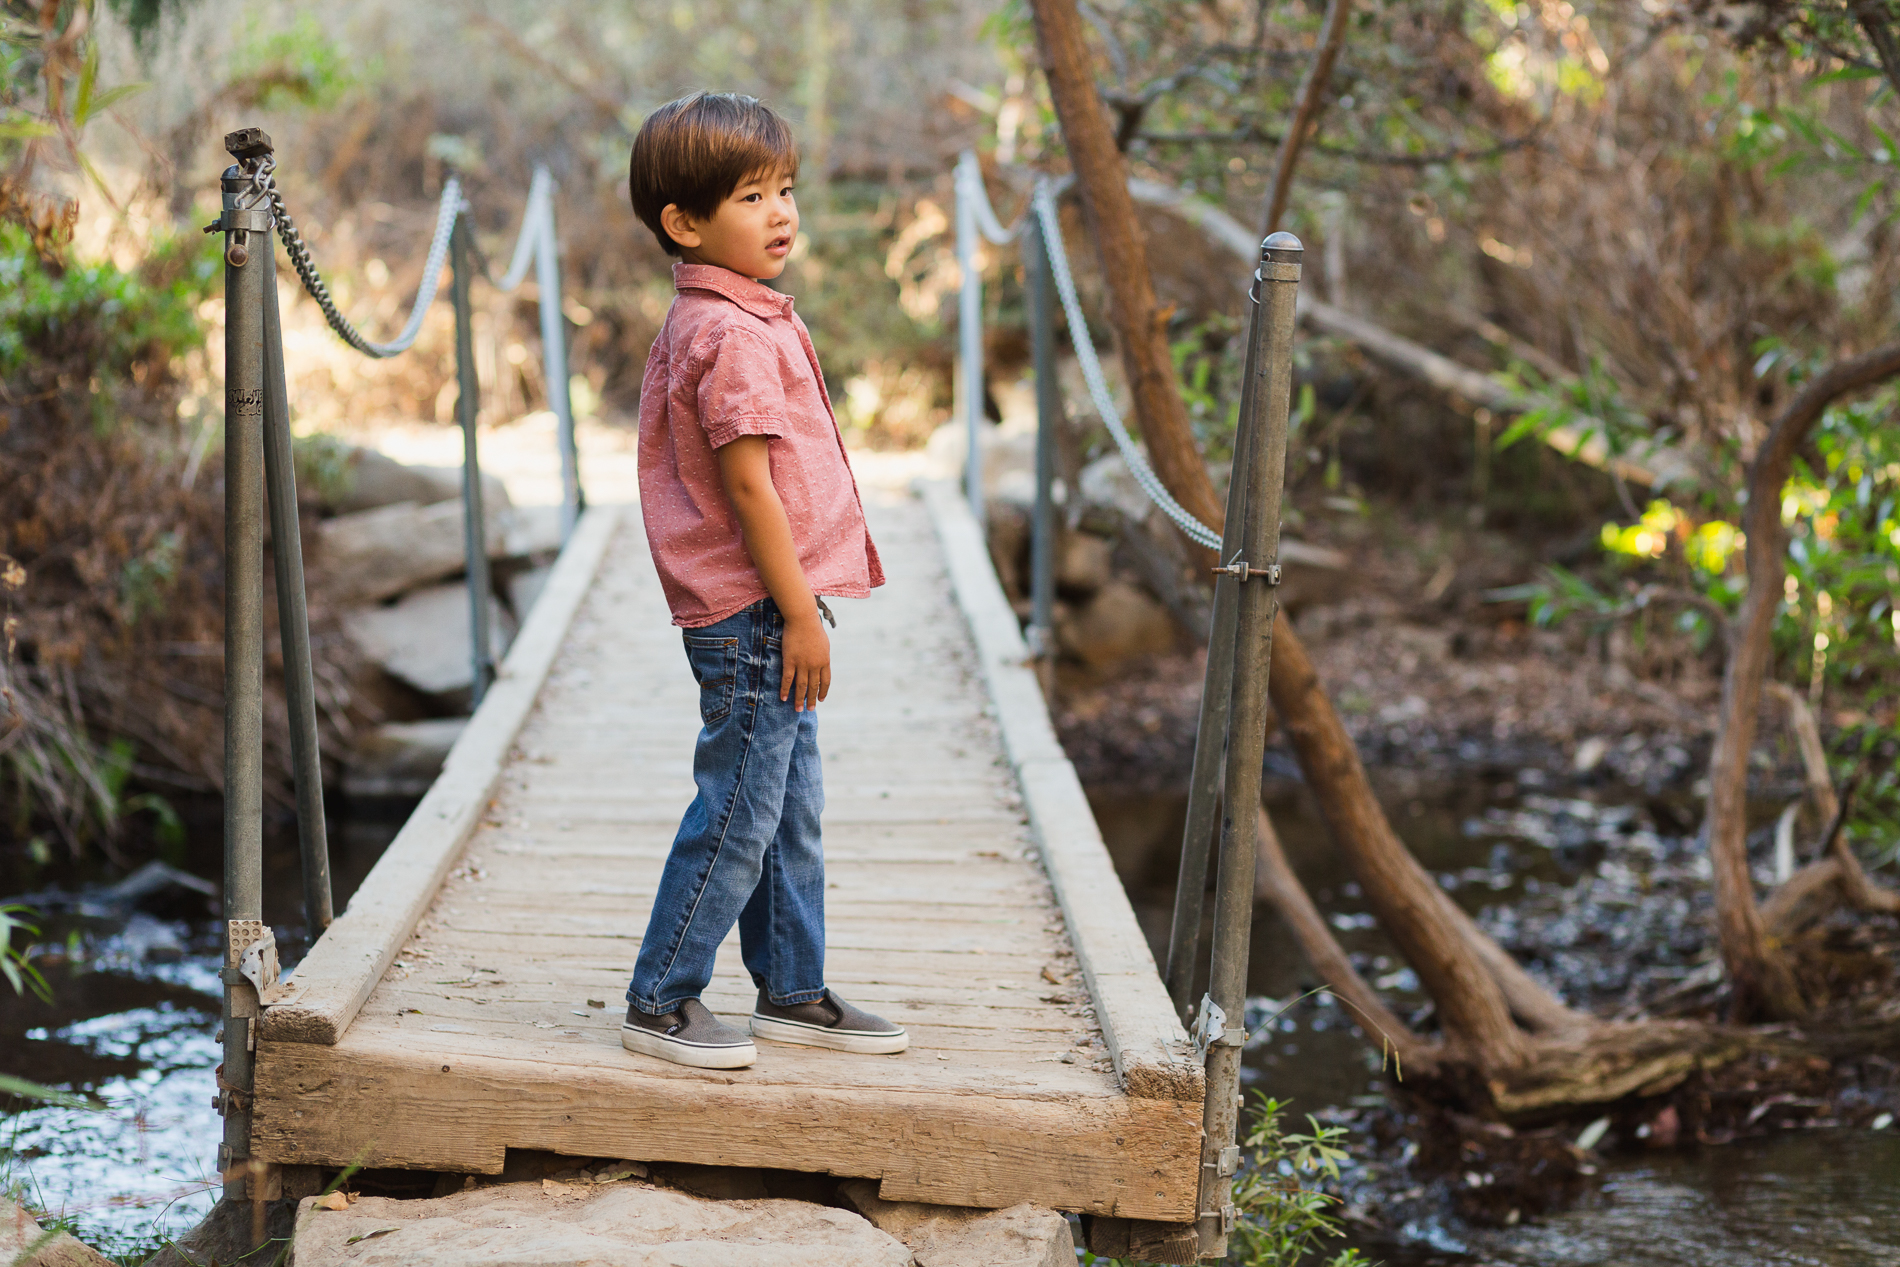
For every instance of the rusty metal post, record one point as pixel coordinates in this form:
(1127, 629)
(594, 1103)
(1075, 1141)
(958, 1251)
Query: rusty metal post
(246, 225)
(467, 407)
(1220, 1030)
(1042, 550)
(293, 620)
(1210, 741)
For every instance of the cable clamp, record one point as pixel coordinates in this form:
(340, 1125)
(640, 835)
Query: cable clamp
(1241, 570)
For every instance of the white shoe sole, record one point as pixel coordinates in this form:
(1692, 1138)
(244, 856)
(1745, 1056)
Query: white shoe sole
(858, 1042)
(695, 1055)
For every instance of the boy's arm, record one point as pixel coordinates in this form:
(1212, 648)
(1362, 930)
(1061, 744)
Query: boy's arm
(745, 467)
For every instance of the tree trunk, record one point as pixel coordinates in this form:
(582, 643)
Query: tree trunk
(1274, 882)
(1406, 901)
(1762, 982)
(1140, 332)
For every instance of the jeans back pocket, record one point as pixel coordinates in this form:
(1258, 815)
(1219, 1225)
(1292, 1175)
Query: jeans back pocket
(715, 663)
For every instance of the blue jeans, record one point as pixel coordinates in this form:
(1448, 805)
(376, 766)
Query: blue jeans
(749, 848)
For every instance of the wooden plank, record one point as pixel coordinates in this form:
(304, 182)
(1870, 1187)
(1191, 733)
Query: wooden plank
(1150, 1048)
(349, 958)
(574, 1050)
(375, 1104)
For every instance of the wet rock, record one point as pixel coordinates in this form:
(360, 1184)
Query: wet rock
(156, 886)
(953, 1236)
(423, 640)
(378, 554)
(23, 1243)
(1119, 621)
(401, 759)
(556, 1224)
(157, 889)
(152, 941)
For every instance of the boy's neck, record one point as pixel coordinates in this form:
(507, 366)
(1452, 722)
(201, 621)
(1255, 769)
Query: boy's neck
(690, 256)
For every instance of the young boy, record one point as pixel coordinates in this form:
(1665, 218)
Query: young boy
(753, 516)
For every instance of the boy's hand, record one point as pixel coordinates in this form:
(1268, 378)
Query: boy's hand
(807, 651)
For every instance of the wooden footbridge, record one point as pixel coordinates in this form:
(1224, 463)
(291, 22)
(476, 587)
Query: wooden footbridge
(469, 1000)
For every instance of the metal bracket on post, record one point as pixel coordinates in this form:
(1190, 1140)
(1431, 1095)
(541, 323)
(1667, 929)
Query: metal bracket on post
(1212, 1030)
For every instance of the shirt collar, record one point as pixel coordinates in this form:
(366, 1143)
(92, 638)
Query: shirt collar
(755, 297)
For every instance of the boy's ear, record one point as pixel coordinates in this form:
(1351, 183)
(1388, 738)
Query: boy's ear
(679, 226)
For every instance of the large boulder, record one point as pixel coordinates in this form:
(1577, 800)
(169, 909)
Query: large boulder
(953, 1236)
(1119, 621)
(423, 639)
(556, 1224)
(378, 554)
(531, 531)
(372, 480)
(400, 758)
(524, 588)
(23, 1243)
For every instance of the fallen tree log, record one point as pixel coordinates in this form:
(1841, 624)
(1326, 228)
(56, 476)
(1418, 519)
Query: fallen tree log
(1652, 466)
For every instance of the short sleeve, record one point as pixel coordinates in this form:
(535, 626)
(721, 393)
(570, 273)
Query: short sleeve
(741, 392)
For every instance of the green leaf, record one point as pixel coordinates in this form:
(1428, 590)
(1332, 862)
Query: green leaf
(25, 129)
(112, 97)
(1529, 424)
(20, 1087)
(1847, 73)
(88, 77)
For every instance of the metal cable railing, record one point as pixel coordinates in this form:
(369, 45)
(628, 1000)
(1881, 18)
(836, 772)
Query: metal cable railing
(1232, 729)
(974, 200)
(1044, 206)
(448, 209)
(258, 457)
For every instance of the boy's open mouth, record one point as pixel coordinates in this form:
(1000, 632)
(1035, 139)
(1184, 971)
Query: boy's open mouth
(779, 245)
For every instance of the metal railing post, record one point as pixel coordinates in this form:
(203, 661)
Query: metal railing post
(293, 621)
(246, 225)
(1042, 550)
(1256, 574)
(970, 336)
(1210, 741)
(467, 406)
(547, 276)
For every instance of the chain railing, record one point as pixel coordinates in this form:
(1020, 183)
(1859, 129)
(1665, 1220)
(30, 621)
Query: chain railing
(258, 456)
(1232, 731)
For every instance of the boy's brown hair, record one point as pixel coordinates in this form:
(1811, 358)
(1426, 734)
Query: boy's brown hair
(695, 151)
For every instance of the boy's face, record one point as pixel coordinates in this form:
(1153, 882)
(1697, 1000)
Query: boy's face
(751, 232)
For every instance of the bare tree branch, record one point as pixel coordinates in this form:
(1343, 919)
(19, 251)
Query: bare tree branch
(1306, 117)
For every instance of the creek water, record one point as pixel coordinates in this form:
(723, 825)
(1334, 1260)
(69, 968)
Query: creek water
(1605, 891)
(132, 1027)
(1604, 883)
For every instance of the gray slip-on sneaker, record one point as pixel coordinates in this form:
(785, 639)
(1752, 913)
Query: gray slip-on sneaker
(689, 1035)
(828, 1022)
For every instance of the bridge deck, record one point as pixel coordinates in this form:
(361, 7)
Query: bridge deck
(442, 1041)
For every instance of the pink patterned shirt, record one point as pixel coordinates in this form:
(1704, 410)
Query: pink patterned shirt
(732, 360)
